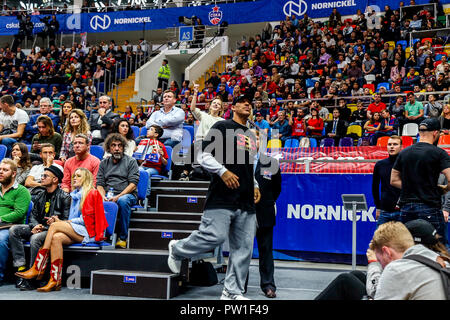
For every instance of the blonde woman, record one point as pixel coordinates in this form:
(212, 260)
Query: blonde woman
(87, 223)
(206, 121)
(77, 123)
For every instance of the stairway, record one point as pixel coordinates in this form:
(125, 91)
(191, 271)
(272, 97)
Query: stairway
(141, 270)
(218, 66)
(126, 92)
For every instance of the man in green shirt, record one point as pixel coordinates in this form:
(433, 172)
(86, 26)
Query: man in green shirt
(413, 109)
(14, 202)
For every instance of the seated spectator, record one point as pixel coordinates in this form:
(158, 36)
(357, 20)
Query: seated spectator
(413, 110)
(359, 116)
(170, 118)
(323, 112)
(87, 223)
(120, 175)
(281, 128)
(444, 119)
(46, 134)
(336, 128)
(262, 124)
(50, 202)
(101, 121)
(12, 123)
(47, 154)
(314, 124)
(21, 157)
(129, 115)
(77, 124)
(158, 160)
(412, 78)
(67, 107)
(81, 159)
(389, 125)
(14, 204)
(57, 103)
(432, 108)
(371, 126)
(122, 127)
(141, 117)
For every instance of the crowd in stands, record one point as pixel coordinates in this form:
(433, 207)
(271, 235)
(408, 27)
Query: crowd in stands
(303, 74)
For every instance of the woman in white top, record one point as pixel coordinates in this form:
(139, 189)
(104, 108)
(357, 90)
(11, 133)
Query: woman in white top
(206, 121)
(122, 126)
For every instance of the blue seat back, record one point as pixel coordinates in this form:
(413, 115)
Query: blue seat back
(97, 151)
(404, 43)
(111, 210)
(142, 184)
(30, 207)
(327, 142)
(143, 131)
(3, 151)
(346, 142)
(384, 84)
(135, 131)
(188, 137)
(312, 142)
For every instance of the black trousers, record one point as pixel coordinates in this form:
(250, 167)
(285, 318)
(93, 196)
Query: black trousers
(346, 286)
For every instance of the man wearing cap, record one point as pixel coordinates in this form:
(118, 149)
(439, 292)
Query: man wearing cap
(416, 172)
(50, 201)
(228, 152)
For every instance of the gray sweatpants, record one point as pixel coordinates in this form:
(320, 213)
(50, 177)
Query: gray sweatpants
(216, 225)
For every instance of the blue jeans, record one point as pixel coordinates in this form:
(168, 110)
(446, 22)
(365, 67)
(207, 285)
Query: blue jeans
(4, 251)
(151, 171)
(125, 203)
(386, 216)
(413, 211)
(8, 143)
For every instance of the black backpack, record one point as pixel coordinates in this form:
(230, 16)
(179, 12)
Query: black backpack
(445, 272)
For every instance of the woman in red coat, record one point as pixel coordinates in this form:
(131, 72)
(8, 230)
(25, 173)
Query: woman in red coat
(87, 223)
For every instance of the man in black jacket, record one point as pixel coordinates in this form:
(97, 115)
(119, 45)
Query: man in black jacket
(268, 176)
(51, 201)
(386, 202)
(336, 128)
(102, 120)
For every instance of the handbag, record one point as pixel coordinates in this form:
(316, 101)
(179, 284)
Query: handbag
(203, 274)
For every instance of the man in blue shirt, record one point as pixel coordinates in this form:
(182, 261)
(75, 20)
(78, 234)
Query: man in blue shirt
(283, 127)
(261, 123)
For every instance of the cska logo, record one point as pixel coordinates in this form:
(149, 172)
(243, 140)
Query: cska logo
(215, 16)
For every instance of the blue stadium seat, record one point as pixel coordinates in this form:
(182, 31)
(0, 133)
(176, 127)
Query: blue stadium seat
(97, 151)
(3, 151)
(30, 207)
(135, 131)
(310, 83)
(168, 166)
(346, 142)
(404, 43)
(327, 142)
(143, 131)
(111, 210)
(142, 189)
(387, 85)
(188, 138)
(291, 143)
(312, 143)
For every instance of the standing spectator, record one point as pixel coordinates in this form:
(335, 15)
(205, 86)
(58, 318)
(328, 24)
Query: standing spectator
(12, 123)
(164, 75)
(119, 174)
(416, 172)
(384, 195)
(81, 159)
(334, 19)
(14, 204)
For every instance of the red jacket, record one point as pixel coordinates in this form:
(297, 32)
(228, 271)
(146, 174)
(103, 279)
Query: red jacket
(94, 215)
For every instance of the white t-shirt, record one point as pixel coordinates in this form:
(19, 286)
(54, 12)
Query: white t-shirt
(12, 121)
(36, 172)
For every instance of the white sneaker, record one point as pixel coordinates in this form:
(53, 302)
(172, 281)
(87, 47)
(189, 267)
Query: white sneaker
(174, 265)
(228, 296)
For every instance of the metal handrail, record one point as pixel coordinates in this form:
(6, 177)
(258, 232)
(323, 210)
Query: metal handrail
(194, 56)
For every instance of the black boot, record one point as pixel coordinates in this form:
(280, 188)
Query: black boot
(24, 284)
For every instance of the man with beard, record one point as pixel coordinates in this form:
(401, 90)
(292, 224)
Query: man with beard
(14, 202)
(230, 203)
(416, 172)
(81, 159)
(386, 203)
(120, 175)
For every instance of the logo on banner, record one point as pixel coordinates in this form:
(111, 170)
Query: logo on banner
(298, 8)
(100, 22)
(215, 16)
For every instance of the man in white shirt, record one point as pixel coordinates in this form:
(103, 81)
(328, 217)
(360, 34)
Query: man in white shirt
(170, 118)
(12, 123)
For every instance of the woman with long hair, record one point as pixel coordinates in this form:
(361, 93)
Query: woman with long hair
(87, 223)
(315, 124)
(371, 126)
(123, 127)
(21, 157)
(444, 119)
(67, 107)
(46, 134)
(77, 123)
